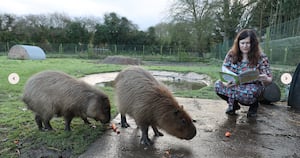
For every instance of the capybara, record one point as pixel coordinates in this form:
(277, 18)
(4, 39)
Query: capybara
(54, 93)
(150, 103)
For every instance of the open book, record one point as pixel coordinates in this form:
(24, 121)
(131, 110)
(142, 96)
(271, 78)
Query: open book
(246, 76)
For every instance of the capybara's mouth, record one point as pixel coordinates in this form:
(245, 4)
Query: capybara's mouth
(190, 136)
(104, 121)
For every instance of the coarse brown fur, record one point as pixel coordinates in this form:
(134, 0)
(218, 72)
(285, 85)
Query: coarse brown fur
(150, 103)
(54, 93)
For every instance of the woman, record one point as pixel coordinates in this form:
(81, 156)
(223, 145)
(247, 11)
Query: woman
(245, 54)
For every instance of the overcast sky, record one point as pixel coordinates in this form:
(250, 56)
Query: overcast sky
(144, 13)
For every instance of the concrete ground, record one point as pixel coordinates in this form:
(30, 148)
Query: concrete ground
(274, 133)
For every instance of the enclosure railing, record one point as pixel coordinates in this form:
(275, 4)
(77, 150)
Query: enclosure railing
(280, 43)
(282, 51)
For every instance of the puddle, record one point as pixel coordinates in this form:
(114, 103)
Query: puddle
(173, 80)
(183, 85)
(172, 85)
(182, 77)
(180, 82)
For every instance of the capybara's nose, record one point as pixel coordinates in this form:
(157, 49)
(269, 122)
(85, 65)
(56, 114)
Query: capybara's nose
(191, 134)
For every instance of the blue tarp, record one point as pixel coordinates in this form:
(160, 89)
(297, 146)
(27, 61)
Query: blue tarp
(34, 52)
(26, 52)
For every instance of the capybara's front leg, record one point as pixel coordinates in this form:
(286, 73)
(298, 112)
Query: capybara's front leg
(145, 138)
(157, 133)
(48, 125)
(68, 123)
(86, 121)
(124, 123)
(38, 121)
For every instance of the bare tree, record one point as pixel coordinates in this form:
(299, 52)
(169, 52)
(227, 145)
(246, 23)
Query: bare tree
(197, 13)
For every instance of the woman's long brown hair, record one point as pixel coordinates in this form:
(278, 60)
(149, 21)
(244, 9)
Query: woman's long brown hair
(255, 51)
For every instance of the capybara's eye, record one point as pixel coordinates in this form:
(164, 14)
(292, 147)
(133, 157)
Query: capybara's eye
(183, 121)
(107, 109)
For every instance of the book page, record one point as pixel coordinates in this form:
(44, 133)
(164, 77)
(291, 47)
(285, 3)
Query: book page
(226, 70)
(228, 76)
(248, 76)
(225, 77)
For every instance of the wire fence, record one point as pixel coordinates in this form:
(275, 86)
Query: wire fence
(149, 52)
(280, 43)
(285, 30)
(281, 51)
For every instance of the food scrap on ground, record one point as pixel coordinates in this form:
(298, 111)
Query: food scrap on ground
(115, 128)
(227, 134)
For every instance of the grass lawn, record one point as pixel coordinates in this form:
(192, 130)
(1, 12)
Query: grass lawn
(17, 126)
(18, 131)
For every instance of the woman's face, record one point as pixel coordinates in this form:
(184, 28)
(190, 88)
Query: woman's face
(245, 45)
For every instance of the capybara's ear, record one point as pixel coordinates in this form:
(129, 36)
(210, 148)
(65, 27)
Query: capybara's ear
(181, 106)
(176, 111)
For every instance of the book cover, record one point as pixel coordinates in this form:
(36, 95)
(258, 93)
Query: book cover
(246, 76)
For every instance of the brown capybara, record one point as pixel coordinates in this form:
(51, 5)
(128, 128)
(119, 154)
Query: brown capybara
(150, 103)
(55, 93)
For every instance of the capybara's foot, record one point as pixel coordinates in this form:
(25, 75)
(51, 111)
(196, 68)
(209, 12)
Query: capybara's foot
(157, 133)
(41, 128)
(92, 126)
(39, 122)
(145, 138)
(146, 141)
(86, 121)
(48, 127)
(124, 123)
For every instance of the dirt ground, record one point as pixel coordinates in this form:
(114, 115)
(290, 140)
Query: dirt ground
(274, 133)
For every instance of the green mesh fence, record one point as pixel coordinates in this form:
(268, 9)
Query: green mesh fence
(155, 52)
(281, 43)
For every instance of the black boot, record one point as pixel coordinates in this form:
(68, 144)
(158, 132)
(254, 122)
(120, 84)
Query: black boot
(231, 109)
(252, 112)
(236, 105)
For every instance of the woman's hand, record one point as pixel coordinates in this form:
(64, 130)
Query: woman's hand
(265, 78)
(229, 84)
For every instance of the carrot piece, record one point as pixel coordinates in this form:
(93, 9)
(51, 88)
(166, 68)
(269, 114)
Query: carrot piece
(115, 128)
